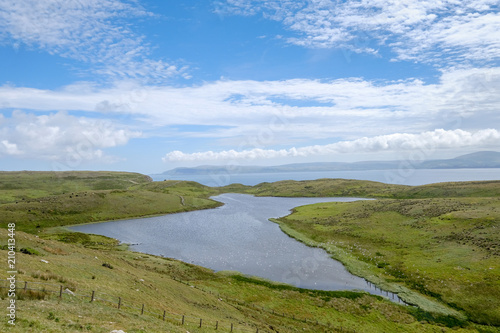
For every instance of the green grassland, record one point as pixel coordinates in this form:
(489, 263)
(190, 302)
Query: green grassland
(445, 248)
(368, 189)
(48, 199)
(27, 185)
(320, 188)
(436, 245)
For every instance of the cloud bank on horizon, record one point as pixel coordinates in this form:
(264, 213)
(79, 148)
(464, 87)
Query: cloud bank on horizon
(126, 83)
(426, 141)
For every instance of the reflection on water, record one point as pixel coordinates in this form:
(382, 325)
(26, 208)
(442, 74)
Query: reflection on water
(238, 236)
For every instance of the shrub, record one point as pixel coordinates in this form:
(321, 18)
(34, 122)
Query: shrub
(31, 294)
(30, 251)
(107, 265)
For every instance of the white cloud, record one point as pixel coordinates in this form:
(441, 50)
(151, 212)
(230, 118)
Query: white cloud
(421, 30)
(432, 140)
(9, 148)
(250, 117)
(346, 108)
(91, 31)
(60, 136)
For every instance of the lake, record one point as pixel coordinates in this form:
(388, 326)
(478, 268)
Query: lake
(238, 236)
(402, 176)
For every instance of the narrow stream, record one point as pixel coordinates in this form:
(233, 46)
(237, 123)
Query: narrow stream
(238, 236)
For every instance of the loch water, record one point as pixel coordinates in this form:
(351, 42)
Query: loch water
(403, 176)
(238, 236)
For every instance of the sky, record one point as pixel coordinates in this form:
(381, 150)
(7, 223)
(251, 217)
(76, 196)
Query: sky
(150, 85)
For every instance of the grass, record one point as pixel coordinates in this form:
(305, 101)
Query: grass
(102, 198)
(414, 240)
(446, 249)
(367, 189)
(29, 185)
(320, 188)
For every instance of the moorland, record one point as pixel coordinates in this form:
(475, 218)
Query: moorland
(436, 245)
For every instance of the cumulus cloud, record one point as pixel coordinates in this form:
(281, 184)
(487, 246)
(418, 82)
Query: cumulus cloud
(60, 136)
(437, 139)
(91, 31)
(251, 116)
(421, 30)
(9, 148)
(465, 98)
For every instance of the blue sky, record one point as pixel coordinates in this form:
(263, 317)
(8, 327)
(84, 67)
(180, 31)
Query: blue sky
(150, 85)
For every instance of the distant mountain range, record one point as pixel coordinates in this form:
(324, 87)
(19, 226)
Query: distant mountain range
(483, 159)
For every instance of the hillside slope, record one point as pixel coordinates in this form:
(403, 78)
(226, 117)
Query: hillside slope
(84, 263)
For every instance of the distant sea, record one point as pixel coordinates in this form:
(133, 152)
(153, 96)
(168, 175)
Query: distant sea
(397, 176)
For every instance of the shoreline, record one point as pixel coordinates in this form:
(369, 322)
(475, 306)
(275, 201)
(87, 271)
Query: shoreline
(352, 265)
(393, 296)
(355, 267)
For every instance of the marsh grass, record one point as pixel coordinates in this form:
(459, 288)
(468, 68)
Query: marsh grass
(324, 294)
(25, 294)
(49, 276)
(444, 248)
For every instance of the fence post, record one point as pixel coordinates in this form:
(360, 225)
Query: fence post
(164, 312)
(92, 298)
(182, 319)
(142, 310)
(216, 325)
(231, 327)
(200, 322)
(25, 285)
(119, 302)
(60, 291)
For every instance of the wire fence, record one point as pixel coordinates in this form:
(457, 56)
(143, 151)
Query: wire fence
(168, 316)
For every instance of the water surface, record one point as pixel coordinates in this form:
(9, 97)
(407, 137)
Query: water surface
(402, 176)
(237, 236)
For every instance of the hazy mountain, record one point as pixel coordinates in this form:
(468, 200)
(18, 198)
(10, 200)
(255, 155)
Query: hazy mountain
(483, 159)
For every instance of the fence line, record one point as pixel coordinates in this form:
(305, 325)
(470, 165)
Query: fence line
(174, 317)
(272, 311)
(177, 318)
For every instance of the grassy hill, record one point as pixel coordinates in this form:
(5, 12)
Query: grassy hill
(449, 239)
(39, 200)
(28, 185)
(367, 189)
